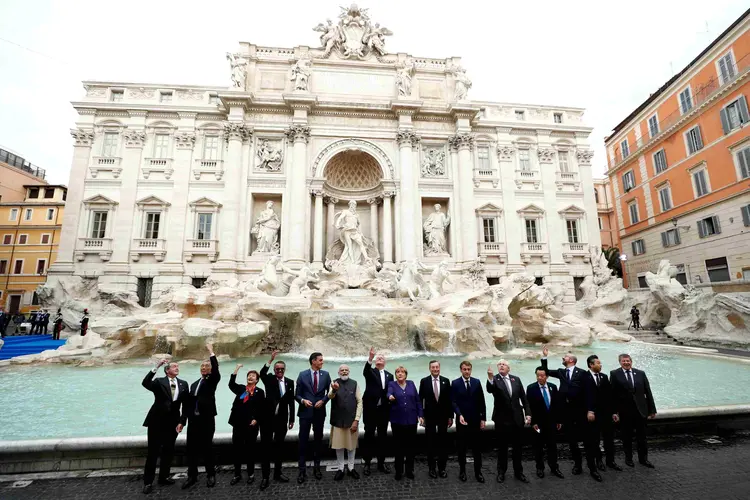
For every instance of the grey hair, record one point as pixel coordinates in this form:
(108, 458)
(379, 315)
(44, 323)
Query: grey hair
(344, 366)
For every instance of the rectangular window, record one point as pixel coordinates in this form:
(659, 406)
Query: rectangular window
(563, 159)
(483, 155)
(558, 117)
(28, 214)
(718, 269)
(686, 101)
(35, 299)
(633, 209)
(745, 215)
(625, 149)
(109, 144)
(13, 214)
(18, 267)
(161, 146)
(520, 115)
(152, 225)
(727, 68)
(116, 95)
(524, 160)
(734, 115)
(44, 240)
(700, 183)
(531, 233)
(653, 126)
(670, 238)
(489, 230)
(601, 226)
(49, 193)
(145, 286)
(3, 266)
(743, 160)
(213, 99)
(539, 281)
(642, 282)
(23, 239)
(628, 180)
(165, 96)
(205, 221)
(199, 282)
(665, 198)
(50, 214)
(211, 147)
(681, 275)
(41, 265)
(34, 193)
(694, 140)
(99, 226)
(708, 226)
(572, 227)
(639, 247)
(660, 161)
(7, 239)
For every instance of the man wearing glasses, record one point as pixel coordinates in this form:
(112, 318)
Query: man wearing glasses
(278, 413)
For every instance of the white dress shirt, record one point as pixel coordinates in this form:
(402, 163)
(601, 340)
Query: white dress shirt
(506, 379)
(382, 378)
(170, 380)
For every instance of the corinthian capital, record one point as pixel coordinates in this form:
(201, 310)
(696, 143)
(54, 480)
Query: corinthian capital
(134, 138)
(82, 137)
(461, 140)
(298, 133)
(238, 131)
(584, 156)
(184, 140)
(545, 155)
(407, 137)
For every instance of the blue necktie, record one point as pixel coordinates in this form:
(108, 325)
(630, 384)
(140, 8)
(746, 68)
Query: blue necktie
(546, 397)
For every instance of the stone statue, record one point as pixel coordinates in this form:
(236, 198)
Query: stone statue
(331, 36)
(440, 275)
(269, 281)
(301, 73)
(403, 78)
(353, 36)
(409, 283)
(301, 279)
(463, 84)
(266, 230)
(270, 157)
(239, 70)
(433, 164)
(434, 232)
(374, 38)
(347, 222)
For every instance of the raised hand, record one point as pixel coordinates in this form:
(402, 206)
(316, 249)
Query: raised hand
(372, 354)
(490, 373)
(545, 350)
(274, 354)
(209, 347)
(237, 368)
(335, 386)
(162, 362)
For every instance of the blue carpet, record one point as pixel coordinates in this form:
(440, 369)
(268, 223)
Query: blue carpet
(27, 344)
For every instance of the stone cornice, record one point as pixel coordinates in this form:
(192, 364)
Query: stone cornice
(300, 101)
(406, 107)
(467, 111)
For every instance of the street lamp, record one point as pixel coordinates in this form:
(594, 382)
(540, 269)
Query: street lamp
(623, 263)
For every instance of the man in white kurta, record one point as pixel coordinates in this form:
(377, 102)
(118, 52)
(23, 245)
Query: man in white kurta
(346, 411)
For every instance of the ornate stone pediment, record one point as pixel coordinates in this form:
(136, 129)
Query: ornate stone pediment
(99, 200)
(489, 209)
(204, 203)
(572, 211)
(531, 210)
(151, 202)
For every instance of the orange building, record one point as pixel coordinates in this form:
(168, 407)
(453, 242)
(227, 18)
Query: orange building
(679, 168)
(605, 208)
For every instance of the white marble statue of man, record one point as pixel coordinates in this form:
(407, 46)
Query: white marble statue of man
(463, 84)
(347, 222)
(403, 78)
(239, 70)
(301, 74)
(266, 230)
(434, 231)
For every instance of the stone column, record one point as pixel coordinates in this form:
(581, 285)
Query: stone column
(299, 197)
(387, 229)
(374, 221)
(178, 229)
(318, 230)
(407, 216)
(455, 208)
(71, 219)
(235, 133)
(464, 143)
(330, 230)
(513, 224)
(555, 229)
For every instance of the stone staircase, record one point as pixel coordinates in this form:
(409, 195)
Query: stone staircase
(651, 336)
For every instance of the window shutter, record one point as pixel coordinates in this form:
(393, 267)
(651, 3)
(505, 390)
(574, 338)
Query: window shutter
(723, 69)
(717, 226)
(677, 237)
(746, 215)
(635, 252)
(701, 229)
(744, 158)
(724, 121)
(744, 117)
(698, 139)
(664, 241)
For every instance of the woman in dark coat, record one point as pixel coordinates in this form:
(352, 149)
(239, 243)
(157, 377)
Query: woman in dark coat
(245, 422)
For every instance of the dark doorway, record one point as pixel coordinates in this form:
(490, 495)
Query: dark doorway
(577, 282)
(539, 281)
(199, 282)
(144, 291)
(15, 304)
(493, 281)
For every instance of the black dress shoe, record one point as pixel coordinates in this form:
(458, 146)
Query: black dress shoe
(301, 477)
(521, 477)
(190, 481)
(600, 465)
(281, 478)
(596, 475)
(557, 473)
(614, 466)
(366, 470)
(251, 479)
(352, 474)
(540, 473)
(462, 476)
(235, 480)
(339, 475)
(443, 474)
(317, 474)
(211, 481)
(629, 462)
(167, 482)
(409, 474)
(646, 463)
(148, 488)
(264, 483)
(384, 468)
(577, 470)
(501, 477)
(433, 473)
(479, 477)
(398, 476)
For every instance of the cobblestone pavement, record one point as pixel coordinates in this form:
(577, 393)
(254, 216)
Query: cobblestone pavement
(686, 468)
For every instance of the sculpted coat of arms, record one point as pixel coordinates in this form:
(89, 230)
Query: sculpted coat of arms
(354, 36)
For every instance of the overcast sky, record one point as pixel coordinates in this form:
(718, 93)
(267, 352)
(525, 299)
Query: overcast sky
(604, 56)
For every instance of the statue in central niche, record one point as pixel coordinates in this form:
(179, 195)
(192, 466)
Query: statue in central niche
(352, 247)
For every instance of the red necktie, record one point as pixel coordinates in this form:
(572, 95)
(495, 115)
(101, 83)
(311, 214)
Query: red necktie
(315, 382)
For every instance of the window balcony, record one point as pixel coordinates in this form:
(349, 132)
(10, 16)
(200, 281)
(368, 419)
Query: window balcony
(571, 250)
(148, 246)
(106, 164)
(529, 250)
(495, 249)
(528, 177)
(567, 178)
(98, 246)
(208, 167)
(163, 165)
(489, 174)
(201, 247)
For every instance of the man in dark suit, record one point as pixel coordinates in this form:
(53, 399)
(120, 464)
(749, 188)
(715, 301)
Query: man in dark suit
(467, 397)
(573, 396)
(376, 411)
(278, 415)
(201, 410)
(508, 410)
(312, 396)
(435, 393)
(45, 321)
(634, 404)
(163, 421)
(600, 414)
(546, 420)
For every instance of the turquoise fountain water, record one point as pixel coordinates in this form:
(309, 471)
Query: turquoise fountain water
(55, 401)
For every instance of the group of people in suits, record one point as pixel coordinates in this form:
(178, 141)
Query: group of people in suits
(584, 408)
(39, 322)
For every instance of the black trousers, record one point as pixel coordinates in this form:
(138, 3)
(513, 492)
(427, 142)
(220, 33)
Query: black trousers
(575, 431)
(603, 430)
(467, 437)
(45, 325)
(436, 430)
(546, 438)
(161, 438)
(633, 423)
(272, 434)
(245, 446)
(376, 420)
(404, 437)
(508, 435)
(200, 445)
(304, 437)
